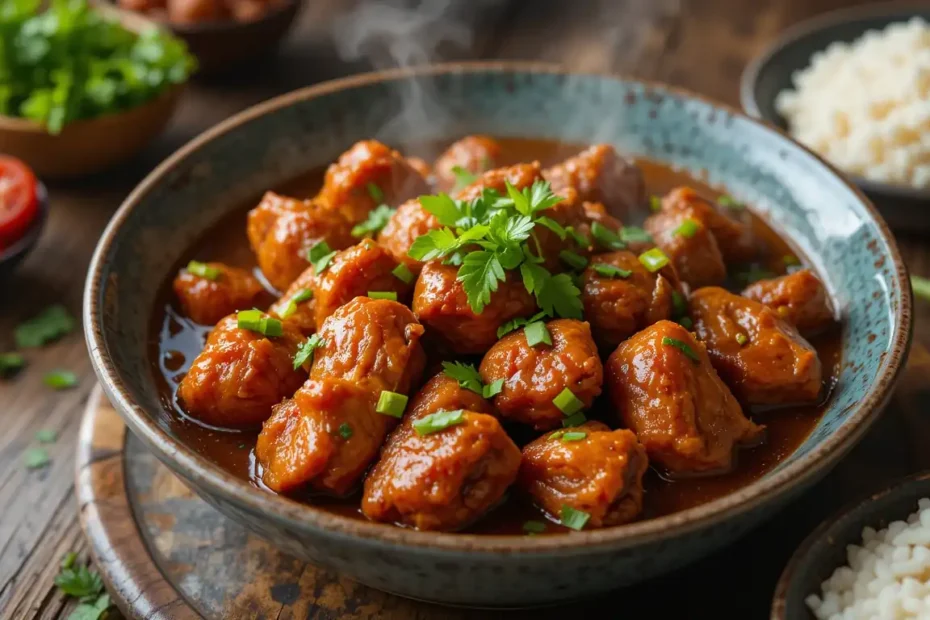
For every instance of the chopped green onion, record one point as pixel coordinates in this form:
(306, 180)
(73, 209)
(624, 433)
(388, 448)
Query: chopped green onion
(679, 304)
(203, 270)
(438, 421)
(655, 204)
(920, 286)
(392, 404)
(493, 389)
(320, 256)
(688, 228)
(390, 295)
(681, 346)
(653, 259)
(611, 271)
(302, 295)
(376, 220)
(534, 527)
(305, 351)
(254, 320)
(633, 234)
(573, 519)
(558, 433)
(11, 363)
(741, 339)
(567, 402)
(51, 324)
(537, 333)
(607, 238)
(345, 431)
(686, 322)
(573, 436)
(403, 273)
(375, 192)
(35, 458)
(46, 435)
(580, 239)
(60, 379)
(575, 261)
(730, 203)
(574, 420)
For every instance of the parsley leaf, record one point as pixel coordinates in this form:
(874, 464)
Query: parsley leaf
(479, 274)
(377, 219)
(79, 582)
(463, 178)
(434, 244)
(36, 458)
(305, 351)
(50, 324)
(446, 210)
(92, 610)
(560, 297)
(465, 374)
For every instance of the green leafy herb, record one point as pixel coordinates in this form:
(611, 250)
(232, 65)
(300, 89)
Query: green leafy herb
(203, 270)
(536, 333)
(68, 559)
(570, 436)
(376, 220)
(375, 192)
(493, 389)
(11, 363)
(575, 261)
(567, 402)
(655, 204)
(305, 351)
(688, 228)
(79, 581)
(403, 273)
(392, 404)
(517, 323)
(577, 237)
(653, 259)
(36, 458)
(345, 430)
(94, 609)
(754, 274)
(534, 527)
(611, 271)
(60, 379)
(51, 324)
(389, 295)
(463, 178)
(256, 321)
(574, 420)
(304, 294)
(573, 519)
(606, 238)
(632, 234)
(438, 421)
(320, 256)
(465, 374)
(920, 286)
(46, 435)
(741, 339)
(730, 203)
(681, 346)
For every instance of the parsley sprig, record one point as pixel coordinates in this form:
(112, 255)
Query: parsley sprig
(493, 234)
(84, 584)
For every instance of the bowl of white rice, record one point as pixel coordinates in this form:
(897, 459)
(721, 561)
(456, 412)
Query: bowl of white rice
(872, 561)
(854, 87)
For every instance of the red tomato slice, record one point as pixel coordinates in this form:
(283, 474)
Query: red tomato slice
(19, 203)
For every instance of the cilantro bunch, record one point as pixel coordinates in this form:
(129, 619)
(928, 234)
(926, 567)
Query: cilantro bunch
(493, 234)
(69, 63)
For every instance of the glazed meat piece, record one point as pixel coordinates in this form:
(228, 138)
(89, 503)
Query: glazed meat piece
(220, 290)
(446, 479)
(474, 154)
(690, 246)
(621, 296)
(420, 166)
(282, 230)
(799, 298)
(600, 473)
(735, 240)
(665, 390)
(763, 359)
(408, 222)
(440, 303)
(373, 343)
(519, 175)
(324, 437)
(600, 174)
(298, 305)
(240, 375)
(366, 175)
(363, 268)
(535, 376)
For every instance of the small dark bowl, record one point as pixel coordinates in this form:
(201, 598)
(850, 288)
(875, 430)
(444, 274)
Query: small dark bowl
(15, 253)
(904, 208)
(825, 549)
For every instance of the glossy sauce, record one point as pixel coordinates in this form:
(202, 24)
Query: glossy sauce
(175, 342)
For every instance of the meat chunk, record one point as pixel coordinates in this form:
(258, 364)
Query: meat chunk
(298, 305)
(446, 479)
(324, 437)
(373, 343)
(366, 175)
(690, 246)
(474, 154)
(519, 175)
(799, 298)
(240, 375)
(600, 474)
(206, 300)
(282, 230)
(354, 272)
(665, 390)
(600, 174)
(440, 302)
(763, 359)
(408, 223)
(420, 166)
(535, 376)
(735, 240)
(621, 296)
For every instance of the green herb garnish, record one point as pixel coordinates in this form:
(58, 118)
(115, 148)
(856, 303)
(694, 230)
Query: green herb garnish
(577, 237)
(256, 321)
(375, 192)
(687, 229)
(536, 333)
(82, 583)
(463, 178)
(345, 430)
(438, 421)
(573, 519)
(403, 273)
(11, 363)
(575, 261)
(60, 379)
(741, 339)
(376, 220)
(633, 234)
(389, 295)
(46, 435)
(203, 270)
(392, 404)
(305, 350)
(36, 458)
(320, 256)
(607, 270)
(517, 323)
(493, 389)
(570, 436)
(534, 527)
(304, 294)
(681, 346)
(51, 324)
(574, 420)
(606, 238)
(465, 374)
(68, 559)
(654, 259)
(679, 304)
(754, 274)
(730, 203)
(568, 403)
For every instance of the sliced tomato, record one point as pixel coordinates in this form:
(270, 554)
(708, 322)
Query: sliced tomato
(19, 203)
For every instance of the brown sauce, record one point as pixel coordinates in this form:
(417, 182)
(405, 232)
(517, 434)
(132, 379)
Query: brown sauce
(176, 341)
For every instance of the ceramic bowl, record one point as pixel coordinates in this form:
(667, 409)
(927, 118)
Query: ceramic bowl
(904, 208)
(825, 549)
(826, 217)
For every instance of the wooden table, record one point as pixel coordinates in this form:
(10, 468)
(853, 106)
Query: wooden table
(698, 44)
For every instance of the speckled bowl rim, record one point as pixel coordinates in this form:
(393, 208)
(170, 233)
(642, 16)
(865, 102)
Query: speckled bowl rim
(212, 479)
(789, 37)
(802, 554)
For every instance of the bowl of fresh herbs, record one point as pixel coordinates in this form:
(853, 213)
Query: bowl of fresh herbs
(83, 87)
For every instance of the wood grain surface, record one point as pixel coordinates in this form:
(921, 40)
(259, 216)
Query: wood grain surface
(698, 44)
